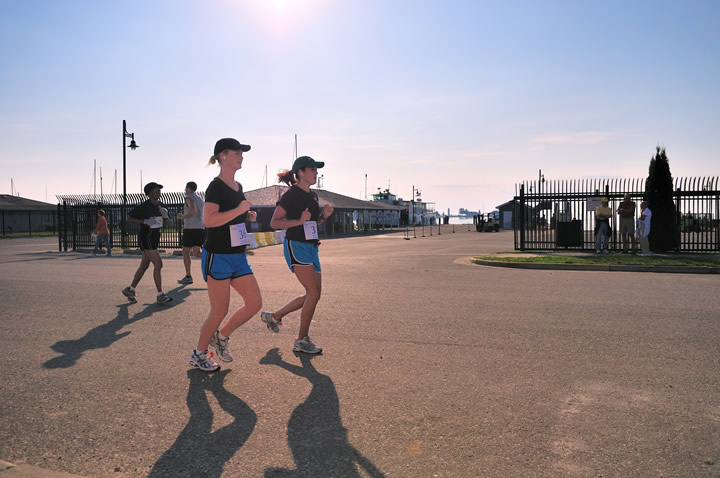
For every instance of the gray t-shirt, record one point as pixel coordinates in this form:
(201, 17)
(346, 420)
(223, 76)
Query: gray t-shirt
(196, 220)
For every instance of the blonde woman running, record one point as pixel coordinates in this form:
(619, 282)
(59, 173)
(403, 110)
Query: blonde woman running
(224, 263)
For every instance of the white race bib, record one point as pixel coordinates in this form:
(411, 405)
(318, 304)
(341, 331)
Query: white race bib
(238, 235)
(157, 222)
(311, 230)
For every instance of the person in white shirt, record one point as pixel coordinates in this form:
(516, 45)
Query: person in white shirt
(644, 228)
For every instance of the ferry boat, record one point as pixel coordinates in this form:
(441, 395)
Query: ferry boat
(415, 213)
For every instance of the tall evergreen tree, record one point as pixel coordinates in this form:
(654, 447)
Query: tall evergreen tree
(664, 226)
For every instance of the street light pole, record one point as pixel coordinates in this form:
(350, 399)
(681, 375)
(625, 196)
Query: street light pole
(413, 205)
(132, 146)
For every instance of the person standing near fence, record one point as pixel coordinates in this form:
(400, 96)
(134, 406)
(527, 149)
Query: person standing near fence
(150, 217)
(193, 229)
(224, 263)
(299, 212)
(626, 211)
(602, 226)
(644, 228)
(102, 233)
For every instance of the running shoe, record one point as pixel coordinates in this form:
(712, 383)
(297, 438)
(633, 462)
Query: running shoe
(163, 299)
(186, 280)
(202, 361)
(269, 319)
(221, 346)
(129, 292)
(306, 346)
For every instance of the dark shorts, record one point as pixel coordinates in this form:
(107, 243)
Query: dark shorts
(149, 240)
(224, 266)
(193, 237)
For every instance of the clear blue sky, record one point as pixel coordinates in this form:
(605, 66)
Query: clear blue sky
(462, 99)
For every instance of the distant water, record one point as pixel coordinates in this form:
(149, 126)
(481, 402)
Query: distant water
(461, 220)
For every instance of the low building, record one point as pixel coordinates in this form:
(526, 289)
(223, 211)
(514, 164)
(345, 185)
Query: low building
(350, 215)
(507, 214)
(20, 215)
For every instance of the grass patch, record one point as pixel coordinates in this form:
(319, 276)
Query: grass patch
(612, 259)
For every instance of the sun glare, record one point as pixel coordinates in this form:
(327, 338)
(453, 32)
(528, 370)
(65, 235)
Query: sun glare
(279, 5)
(280, 17)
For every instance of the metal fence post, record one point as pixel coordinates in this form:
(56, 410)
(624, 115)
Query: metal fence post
(522, 216)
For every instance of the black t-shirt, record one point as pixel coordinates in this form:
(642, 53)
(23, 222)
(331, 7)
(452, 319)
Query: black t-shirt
(145, 210)
(295, 201)
(218, 238)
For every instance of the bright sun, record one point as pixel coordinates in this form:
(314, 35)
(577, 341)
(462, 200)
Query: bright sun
(279, 4)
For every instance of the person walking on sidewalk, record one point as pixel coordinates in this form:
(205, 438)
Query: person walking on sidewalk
(193, 229)
(224, 264)
(299, 212)
(102, 233)
(150, 216)
(644, 228)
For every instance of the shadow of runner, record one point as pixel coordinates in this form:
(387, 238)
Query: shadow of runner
(198, 451)
(105, 335)
(316, 435)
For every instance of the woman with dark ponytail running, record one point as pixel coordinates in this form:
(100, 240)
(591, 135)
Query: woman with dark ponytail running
(299, 212)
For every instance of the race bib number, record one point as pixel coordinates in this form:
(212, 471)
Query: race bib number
(311, 230)
(156, 222)
(238, 235)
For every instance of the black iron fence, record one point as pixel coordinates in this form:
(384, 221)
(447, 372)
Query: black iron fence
(77, 217)
(559, 214)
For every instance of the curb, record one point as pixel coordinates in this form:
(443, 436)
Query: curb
(601, 267)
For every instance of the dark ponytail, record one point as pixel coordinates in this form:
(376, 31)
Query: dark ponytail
(286, 176)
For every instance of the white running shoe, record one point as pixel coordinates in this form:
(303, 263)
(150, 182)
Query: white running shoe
(306, 346)
(202, 361)
(269, 319)
(221, 346)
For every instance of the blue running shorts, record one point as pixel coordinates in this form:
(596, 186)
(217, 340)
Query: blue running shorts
(224, 266)
(298, 253)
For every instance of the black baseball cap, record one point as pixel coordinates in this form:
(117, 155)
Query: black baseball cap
(150, 186)
(306, 162)
(230, 143)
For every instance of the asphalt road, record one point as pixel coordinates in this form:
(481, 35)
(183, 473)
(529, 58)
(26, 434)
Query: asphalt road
(432, 368)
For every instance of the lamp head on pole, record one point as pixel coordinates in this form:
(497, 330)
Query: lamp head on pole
(133, 145)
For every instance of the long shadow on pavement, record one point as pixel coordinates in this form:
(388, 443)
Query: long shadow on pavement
(107, 334)
(199, 451)
(316, 435)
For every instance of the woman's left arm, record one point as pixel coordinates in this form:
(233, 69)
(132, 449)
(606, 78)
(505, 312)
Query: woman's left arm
(327, 210)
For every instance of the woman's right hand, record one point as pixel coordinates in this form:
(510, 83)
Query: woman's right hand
(305, 216)
(243, 207)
